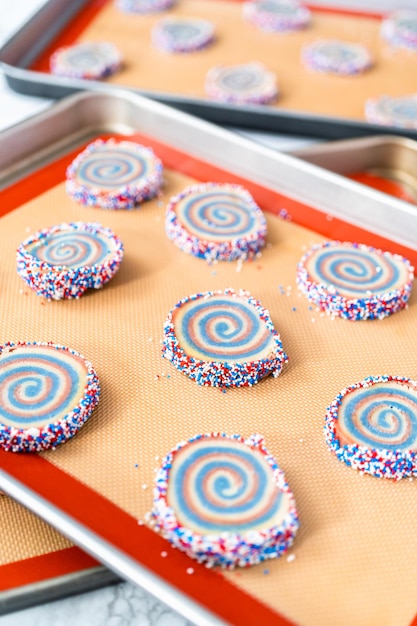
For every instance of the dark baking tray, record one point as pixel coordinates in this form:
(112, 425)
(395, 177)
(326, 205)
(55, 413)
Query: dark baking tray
(28, 43)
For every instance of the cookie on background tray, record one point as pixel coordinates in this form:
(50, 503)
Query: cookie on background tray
(224, 501)
(144, 6)
(64, 261)
(246, 83)
(400, 29)
(223, 339)
(372, 426)
(277, 16)
(114, 174)
(182, 34)
(89, 60)
(216, 222)
(47, 392)
(354, 281)
(336, 57)
(392, 111)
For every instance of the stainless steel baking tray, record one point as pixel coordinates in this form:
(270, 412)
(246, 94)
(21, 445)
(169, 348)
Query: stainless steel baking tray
(50, 589)
(392, 158)
(79, 118)
(32, 39)
(75, 120)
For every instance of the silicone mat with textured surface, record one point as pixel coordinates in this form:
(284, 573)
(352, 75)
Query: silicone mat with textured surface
(238, 41)
(357, 533)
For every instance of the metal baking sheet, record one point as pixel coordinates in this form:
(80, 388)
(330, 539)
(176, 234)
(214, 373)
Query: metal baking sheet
(44, 140)
(19, 53)
(391, 159)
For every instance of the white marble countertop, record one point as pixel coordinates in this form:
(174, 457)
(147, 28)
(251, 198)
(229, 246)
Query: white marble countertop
(122, 604)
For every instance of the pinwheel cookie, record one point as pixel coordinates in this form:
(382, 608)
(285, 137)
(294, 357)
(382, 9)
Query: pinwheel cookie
(47, 392)
(223, 339)
(224, 501)
(372, 426)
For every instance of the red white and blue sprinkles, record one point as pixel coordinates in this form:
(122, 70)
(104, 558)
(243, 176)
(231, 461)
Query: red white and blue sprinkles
(223, 339)
(47, 392)
(400, 29)
(90, 60)
(392, 111)
(354, 281)
(224, 501)
(144, 6)
(114, 175)
(182, 34)
(336, 57)
(246, 83)
(64, 261)
(216, 221)
(276, 15)
(372, 426)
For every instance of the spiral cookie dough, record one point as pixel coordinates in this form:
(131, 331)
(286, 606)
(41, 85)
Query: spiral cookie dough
(223, 339)
(400, 112)
(355, 281)
(65, 260)
(336, 57)
(224, 501)
(276, 15)
(47, 392)
(91, 60)
(114, 175)
(216, 221)
(249, 83)
(144, 6)
(372, 426)
(182, 34)
(400, 29)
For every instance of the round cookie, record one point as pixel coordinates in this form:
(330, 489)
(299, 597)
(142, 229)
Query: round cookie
(92, 60)
(276, 15)
(144, 6)
(387, 111)
(47, 392)
(114, 175)
(182, 34)
(248, 83)
(336, 57)
(224, 501)
(215, 221)
(354, 281)
(372, 426)
(65, 260)
(223, 339)
(400, 29)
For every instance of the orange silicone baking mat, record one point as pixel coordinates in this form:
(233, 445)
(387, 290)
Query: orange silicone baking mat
(394, 71)
(351, 561)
